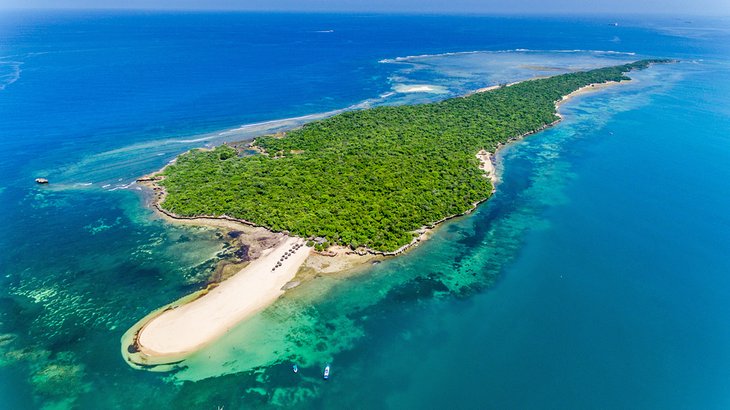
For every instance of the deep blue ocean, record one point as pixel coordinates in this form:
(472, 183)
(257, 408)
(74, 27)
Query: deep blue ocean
(596, 277)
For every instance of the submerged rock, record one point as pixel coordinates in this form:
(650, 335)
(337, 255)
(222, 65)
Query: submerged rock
(290, 285)
(234, 234)
(242, 253)
(7, 338)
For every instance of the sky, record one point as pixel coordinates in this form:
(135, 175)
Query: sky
(697, 7)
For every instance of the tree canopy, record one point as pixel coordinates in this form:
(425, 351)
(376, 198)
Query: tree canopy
(371, 177)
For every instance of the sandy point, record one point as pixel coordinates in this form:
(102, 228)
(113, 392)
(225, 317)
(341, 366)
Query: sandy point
(173, 332)
(486, 164)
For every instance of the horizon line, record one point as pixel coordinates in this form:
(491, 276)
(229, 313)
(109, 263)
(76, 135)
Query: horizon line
(356, 12)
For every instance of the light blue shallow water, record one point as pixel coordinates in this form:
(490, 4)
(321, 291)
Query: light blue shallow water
(596, 277)
(617, 297)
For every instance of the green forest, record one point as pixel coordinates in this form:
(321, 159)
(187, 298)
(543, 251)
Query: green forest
(372, 177)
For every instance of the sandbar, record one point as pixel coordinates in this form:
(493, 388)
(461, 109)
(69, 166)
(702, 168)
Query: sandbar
(186, 326)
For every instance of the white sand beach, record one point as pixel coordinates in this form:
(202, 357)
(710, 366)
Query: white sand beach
(186, 328)
(487, 165)
(494, 87)
(584, 90)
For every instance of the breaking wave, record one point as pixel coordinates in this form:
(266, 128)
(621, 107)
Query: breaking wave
(516, 50)
(9, 73)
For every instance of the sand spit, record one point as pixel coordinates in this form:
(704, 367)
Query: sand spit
(177, 330)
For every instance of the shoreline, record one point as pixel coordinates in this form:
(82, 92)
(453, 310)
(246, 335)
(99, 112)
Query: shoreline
(585, 90)
(488, 163)
(185, 326)
(147, 345)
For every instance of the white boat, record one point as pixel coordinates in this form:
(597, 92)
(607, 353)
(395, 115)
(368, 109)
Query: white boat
(326, 374)
(295, 368)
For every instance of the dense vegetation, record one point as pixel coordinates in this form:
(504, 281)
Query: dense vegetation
(372, 177)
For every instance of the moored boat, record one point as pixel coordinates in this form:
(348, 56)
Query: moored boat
(326, 374)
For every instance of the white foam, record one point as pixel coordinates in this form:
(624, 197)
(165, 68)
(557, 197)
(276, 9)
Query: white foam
(516, 50)
(201, 139)
(124, 186)
(420, 88)
(408, 58)
(13, 76)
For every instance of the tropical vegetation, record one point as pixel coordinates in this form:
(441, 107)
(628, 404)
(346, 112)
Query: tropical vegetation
(371, 178)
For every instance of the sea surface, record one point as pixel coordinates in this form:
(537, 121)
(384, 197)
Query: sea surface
(596, 277)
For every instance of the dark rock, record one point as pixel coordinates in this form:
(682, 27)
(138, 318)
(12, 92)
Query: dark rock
(242, 253)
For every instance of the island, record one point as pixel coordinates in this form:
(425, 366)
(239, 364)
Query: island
(367, 182)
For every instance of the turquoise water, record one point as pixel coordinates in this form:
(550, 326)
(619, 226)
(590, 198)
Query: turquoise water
(617, 296)
(594, 278)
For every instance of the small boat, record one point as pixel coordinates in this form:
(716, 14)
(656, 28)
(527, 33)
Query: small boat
(295, 368)
(326, 374)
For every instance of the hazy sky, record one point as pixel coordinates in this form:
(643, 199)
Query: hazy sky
(694, 7)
